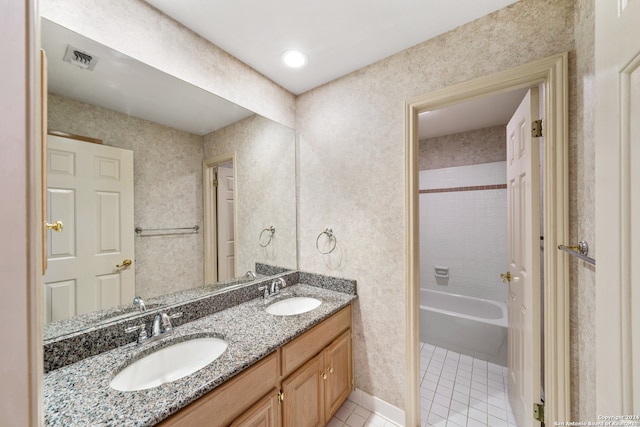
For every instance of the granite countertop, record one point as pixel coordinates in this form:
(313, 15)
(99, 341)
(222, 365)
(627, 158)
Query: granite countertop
(79, 394)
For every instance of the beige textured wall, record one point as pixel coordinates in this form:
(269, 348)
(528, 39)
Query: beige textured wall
(135, 28)
(265, 188)
(465, 148)
(351, 154)
(582, 215)
(167, 189)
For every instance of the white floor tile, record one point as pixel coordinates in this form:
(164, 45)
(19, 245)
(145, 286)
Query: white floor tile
(460, 397)
(497, 422)
(334, 422)
(497, 412)
(343, 413)
(478, 415)
(442, 399)
(376, 420)
(474, 423)
(456, 419)
(356, 420)
(440, 410)
(458, 408)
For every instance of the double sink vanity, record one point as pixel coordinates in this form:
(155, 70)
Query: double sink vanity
(254, 353)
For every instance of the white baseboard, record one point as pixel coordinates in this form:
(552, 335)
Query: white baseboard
(377, 406)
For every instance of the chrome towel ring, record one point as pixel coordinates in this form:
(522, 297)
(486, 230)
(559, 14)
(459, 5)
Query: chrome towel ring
(330, 236)
(271, 230)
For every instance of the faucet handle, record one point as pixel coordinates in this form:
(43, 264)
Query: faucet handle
(142, 336)
(175, 315)
(265, 291)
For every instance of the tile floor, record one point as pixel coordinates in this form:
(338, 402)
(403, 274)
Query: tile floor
(354, 415)
(461, 391)
(455, 391)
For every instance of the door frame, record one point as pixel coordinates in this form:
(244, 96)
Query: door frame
(209, 209)
(552, 73)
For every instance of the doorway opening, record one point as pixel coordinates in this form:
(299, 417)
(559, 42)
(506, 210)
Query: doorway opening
(219, 218)
(467, 323)
(551, 73)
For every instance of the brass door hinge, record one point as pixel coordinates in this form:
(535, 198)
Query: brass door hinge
(538, 412)
(280, 397)
(214, 182)
(536, 128)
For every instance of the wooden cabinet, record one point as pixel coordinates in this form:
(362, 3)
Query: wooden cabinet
(315, 392)
(265, 413)
(303, 395)
(302, 384)
(339, 374)
(225, 403)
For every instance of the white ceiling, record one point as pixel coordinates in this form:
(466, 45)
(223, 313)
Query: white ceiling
(479, 113)
(338, 36)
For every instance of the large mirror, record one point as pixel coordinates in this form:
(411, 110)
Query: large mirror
(183, 141)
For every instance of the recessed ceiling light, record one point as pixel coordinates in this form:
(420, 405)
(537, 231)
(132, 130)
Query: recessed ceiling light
(294, 58)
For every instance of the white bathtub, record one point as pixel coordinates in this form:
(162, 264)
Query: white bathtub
(471, 326)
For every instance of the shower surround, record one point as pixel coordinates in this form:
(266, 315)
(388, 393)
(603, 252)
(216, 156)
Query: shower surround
(463, 227)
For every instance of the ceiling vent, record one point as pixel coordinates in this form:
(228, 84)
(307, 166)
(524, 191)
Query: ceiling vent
(80, 58)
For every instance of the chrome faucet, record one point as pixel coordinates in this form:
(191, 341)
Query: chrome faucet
(161, 324)
(250, 275)
(161, 327)
(138, 302)
(276, 284)
(274, 289)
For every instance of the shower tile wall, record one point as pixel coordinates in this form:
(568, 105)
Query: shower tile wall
(465, 231)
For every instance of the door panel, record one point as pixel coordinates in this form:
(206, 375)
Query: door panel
(62, 202)
(617, 146)
(90, 189)
(226, 231)
(524, 260)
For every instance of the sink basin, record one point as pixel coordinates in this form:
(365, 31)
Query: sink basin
(169, 364)
(293, 305)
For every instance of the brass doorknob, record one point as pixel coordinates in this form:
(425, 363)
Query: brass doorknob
(126, 263)
(506, 277)
(57, 226)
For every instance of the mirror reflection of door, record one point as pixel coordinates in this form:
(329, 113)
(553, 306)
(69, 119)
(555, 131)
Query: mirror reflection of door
(90, 189)
(225, 225)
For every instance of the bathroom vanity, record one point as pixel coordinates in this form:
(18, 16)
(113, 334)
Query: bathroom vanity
(277, 369)
(309, 378)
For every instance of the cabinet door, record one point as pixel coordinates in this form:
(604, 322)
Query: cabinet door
(303, 404)
(338, 370)
(262, 414)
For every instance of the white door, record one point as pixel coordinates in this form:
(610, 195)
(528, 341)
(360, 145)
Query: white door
(617, 142)
(225, 224)
(524, 260)
(89, 189)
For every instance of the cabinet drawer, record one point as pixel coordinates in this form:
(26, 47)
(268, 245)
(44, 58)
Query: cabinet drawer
(307, 345)
(225, 403)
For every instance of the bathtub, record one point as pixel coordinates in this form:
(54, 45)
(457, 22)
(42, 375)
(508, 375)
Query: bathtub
(471, 326)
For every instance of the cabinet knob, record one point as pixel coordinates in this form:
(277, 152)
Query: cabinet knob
(324, 375)
(331, 370)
